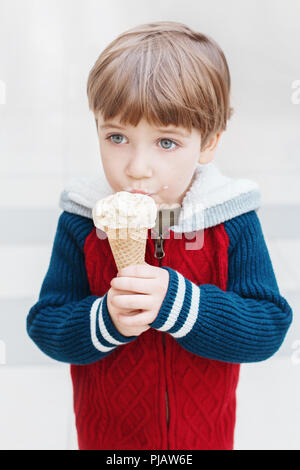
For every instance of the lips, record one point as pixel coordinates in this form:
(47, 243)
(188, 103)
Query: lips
(139, 191)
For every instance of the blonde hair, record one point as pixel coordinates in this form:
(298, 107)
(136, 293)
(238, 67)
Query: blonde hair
(166, 73)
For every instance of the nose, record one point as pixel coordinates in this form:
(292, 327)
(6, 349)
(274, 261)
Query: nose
(139, 167)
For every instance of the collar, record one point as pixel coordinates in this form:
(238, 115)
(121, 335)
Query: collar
(212, 198)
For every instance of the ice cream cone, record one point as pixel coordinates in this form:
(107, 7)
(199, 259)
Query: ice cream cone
(128, 246)
(126, 218)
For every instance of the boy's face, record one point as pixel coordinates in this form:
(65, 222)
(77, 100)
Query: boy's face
(159, 162)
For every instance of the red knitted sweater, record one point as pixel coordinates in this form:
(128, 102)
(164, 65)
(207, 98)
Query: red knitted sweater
(122, 401)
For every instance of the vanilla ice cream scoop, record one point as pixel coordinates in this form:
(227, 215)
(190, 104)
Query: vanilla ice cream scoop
(125, 210)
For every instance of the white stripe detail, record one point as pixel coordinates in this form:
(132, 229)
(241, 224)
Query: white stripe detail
(192, 315)
(103, 330)
(93, 317)
(177, 305)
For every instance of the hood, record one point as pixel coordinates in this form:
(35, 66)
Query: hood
(212, 198)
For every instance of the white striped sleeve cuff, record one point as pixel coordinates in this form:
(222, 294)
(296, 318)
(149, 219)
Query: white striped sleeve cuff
(180, 308)
(105, 337)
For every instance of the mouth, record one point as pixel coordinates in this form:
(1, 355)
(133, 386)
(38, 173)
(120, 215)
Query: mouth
(139, 191)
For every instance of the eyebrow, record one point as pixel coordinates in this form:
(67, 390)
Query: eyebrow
(169, 131)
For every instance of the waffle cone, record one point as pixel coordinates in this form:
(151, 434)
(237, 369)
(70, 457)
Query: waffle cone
(128, 245)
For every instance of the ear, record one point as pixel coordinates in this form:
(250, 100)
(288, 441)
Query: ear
(208, 153)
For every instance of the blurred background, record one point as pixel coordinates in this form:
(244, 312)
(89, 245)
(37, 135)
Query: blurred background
(48, 135)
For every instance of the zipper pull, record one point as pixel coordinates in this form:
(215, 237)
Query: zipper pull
(159, 248)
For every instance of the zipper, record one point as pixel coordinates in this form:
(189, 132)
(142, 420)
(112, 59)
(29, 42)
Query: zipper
(159, 254)
(159, 248)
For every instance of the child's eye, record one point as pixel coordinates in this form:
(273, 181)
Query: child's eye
(117, 141)
(168, 140)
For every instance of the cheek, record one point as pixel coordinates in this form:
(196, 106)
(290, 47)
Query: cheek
(180, 176)
(109, 166)
(180, 179)
(114, 171)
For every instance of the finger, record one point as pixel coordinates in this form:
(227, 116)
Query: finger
(131, 284)
(116, 292)
(133, 302)
(130, 313)
(140, 319)
(120, 292)
(138, 270)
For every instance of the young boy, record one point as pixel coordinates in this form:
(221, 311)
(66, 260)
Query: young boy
(155, 349)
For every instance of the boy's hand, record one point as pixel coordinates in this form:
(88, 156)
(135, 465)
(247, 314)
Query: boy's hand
(115, 313)
(136, 296)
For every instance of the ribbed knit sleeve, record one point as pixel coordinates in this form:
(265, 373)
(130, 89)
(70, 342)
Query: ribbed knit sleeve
(68, 323)
(247, 322)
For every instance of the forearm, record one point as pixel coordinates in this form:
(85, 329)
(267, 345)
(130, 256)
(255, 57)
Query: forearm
(79, 332)
(223, 325)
